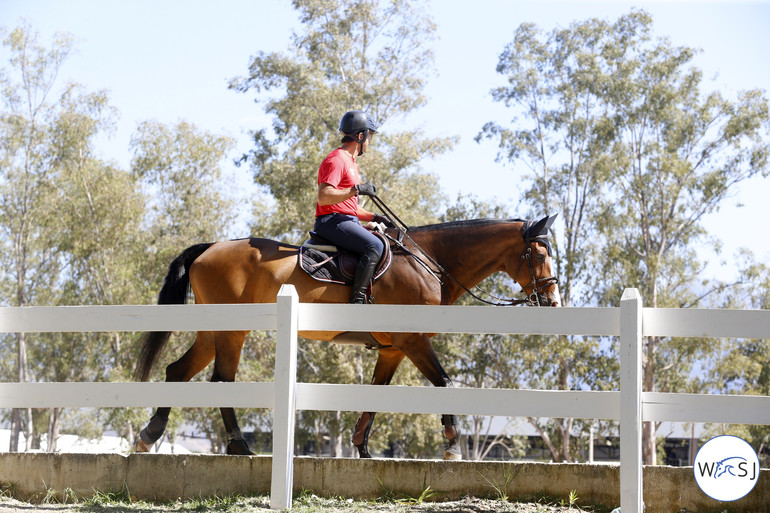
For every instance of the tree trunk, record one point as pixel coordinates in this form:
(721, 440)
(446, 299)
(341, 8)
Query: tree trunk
(565, 439)
(547, 440)
(648, 428)
(22, 368)
(15, 430)
(476, 439)
(129, 433)
(335, 436)
(54, 415)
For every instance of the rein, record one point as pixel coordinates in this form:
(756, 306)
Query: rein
(538, 284)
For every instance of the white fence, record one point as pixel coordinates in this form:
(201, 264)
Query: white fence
(285, 396)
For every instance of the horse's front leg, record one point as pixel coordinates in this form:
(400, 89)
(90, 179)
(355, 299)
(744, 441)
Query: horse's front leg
(419, 350)
(388, 361)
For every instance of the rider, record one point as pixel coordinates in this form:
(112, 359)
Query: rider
(338, 212)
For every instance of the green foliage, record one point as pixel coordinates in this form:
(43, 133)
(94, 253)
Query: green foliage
(181, 167)
(77, 230)
(368, 55)
(44, 131)
(623, 143)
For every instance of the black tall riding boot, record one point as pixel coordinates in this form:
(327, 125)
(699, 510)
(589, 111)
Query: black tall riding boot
(367, 264)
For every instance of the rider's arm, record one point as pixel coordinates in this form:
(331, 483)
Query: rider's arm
(330, 195)
(364, 215)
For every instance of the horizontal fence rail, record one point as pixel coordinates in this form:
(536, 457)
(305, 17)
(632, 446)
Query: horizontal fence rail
(52, 319)
(137, 395)
(630, 405)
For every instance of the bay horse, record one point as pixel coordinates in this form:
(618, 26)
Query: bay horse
(434, 265)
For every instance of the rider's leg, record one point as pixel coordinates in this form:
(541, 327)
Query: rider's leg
(346, 232)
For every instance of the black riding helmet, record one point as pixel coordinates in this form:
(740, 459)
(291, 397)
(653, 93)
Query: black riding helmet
(357, 125)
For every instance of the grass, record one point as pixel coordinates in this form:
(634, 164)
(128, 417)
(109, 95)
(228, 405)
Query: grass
(501, 489)
(121, 501)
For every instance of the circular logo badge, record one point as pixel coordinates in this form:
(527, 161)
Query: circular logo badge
(726, 468)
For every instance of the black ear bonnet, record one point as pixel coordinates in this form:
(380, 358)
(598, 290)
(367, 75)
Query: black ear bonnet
(537, 231)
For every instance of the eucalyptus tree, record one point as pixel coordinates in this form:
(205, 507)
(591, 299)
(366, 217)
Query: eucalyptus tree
(101, 241)
(559, 134)
(742, 366)
(365, 54)
(679, 153)
(635, 154)
(43, 121)
(370, 55)
(181, 170)
(69, 219)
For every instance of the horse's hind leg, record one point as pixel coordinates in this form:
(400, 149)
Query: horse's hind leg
(420, 351)
(228, 349)
(194, 360)
(388, 361)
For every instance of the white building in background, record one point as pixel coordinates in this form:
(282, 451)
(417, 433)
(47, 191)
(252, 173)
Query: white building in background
(103, 445)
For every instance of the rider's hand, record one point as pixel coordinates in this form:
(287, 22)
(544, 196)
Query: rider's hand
(384, 220)
(366, 189)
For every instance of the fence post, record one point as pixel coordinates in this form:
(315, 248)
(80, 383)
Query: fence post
(631, 402)
(282, 479)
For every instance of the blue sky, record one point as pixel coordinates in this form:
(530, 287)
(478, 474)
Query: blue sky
(170, 60)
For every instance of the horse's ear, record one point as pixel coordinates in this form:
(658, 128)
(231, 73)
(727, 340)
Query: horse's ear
(548, 222)
(541, 227)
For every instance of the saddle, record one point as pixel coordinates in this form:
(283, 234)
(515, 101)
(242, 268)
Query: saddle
(325, 262)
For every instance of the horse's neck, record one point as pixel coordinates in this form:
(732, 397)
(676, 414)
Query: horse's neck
(470, 253)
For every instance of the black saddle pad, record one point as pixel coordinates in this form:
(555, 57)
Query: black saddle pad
(338, 266)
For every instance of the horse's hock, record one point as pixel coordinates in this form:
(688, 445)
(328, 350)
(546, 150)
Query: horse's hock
(169, 477)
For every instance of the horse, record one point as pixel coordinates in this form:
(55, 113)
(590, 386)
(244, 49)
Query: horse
(431, 265)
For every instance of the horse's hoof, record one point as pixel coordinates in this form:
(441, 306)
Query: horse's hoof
(141, 446)
(452, 456)
(452, 451)
(238, 448)
(363, 451)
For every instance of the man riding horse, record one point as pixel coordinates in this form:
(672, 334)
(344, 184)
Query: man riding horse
(431, 265)
(338, 213)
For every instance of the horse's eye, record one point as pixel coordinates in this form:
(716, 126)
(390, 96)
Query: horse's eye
(540, 258)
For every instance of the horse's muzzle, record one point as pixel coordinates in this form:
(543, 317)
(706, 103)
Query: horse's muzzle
(549, 299)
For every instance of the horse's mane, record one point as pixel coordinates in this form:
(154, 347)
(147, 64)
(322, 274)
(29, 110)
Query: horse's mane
(462, 224)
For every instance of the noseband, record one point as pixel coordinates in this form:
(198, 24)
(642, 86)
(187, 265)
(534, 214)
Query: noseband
(537, 284)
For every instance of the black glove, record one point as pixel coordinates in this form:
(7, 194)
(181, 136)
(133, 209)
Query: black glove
(366, 189)
(384, 220)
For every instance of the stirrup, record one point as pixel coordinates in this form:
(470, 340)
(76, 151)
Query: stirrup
(359, 297)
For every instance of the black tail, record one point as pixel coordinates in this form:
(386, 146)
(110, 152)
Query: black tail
(174, 292)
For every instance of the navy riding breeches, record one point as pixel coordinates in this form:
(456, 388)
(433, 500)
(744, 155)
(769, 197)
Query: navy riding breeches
(346, 232)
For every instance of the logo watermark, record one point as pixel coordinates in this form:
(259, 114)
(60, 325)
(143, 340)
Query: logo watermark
(726, 468)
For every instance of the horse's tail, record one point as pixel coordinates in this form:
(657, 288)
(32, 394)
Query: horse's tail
(174, 292)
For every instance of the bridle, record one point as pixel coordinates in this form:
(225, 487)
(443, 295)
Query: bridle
(538, 284)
